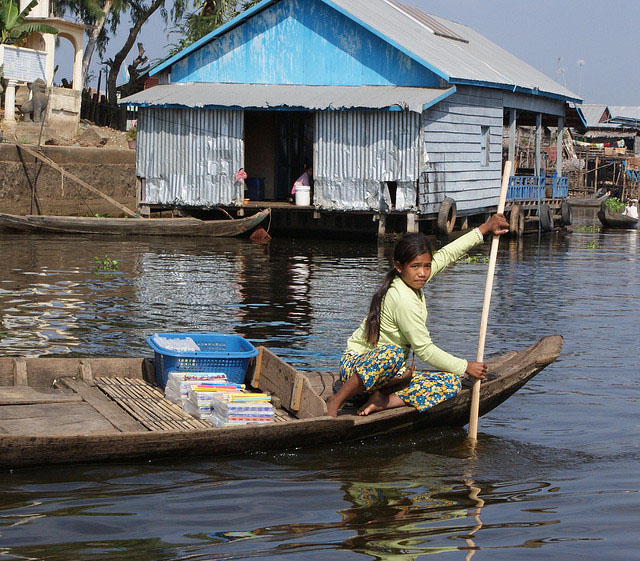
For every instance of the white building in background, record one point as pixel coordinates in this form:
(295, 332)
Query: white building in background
(23, 65)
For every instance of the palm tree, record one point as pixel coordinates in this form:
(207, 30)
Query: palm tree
(14, 28)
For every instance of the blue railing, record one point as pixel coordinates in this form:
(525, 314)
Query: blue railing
(532, 187)
(524, 187)
(560, 186)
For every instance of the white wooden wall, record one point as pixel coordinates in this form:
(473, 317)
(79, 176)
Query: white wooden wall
(451, 159)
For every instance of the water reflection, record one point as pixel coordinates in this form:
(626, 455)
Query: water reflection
(403, 499)
(300, 297)
(275, 296)
(563, 482)
(474, 492)
(288, 295)
(392, 521)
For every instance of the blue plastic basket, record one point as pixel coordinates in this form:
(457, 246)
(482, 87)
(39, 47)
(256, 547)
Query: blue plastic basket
(219, 353)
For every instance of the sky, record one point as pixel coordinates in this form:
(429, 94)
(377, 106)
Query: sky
(590, 46)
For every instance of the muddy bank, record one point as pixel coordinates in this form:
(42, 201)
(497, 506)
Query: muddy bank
(108, 170)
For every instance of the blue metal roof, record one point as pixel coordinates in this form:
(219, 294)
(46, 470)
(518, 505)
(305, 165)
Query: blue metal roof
(215, 33)
(458, 55)
(625, 114)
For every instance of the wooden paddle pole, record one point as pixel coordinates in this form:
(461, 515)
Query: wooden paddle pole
(475, 393)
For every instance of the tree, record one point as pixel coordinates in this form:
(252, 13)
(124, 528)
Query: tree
(97, 36)
(95, 13)
(13, 27)
(140, 12)
(212, 14)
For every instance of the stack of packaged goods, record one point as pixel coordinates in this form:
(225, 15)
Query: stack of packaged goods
(241, 408)
(178, 383)
(199, 396)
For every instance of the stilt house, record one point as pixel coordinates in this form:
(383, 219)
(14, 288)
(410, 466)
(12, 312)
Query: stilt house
(394, 108)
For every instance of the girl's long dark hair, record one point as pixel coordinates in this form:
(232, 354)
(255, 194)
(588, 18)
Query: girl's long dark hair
(409, 246)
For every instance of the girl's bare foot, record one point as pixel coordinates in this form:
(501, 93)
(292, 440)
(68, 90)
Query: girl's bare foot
(377, 402)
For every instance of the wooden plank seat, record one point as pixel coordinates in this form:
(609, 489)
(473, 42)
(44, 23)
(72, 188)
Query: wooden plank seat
(24, 395)
(53, 419)
(49, 411)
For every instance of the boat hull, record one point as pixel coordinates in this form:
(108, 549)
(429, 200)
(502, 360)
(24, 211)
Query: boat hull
(507, 374)
(132, 226)
(610, 219)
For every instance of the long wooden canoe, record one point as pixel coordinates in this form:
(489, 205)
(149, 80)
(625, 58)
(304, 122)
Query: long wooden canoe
(588, 202)
(71, 410)
(132, 226)
(615, 219)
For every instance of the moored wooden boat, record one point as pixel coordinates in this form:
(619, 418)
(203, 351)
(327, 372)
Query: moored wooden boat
(132, 226)
(586, 202)
(615, 219)
(66, 410)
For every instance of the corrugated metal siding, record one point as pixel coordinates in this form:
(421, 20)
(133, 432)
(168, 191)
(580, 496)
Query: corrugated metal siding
(357, 151)
(164, 77)
(452, 151)
(189, 156)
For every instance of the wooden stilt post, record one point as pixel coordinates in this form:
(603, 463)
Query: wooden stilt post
(412, 222)
(382, 225)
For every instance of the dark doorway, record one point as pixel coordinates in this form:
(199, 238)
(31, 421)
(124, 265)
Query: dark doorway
(259, 151)
(277, 146)
(294, 148)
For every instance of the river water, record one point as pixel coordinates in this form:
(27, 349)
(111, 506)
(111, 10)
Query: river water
(554, 475)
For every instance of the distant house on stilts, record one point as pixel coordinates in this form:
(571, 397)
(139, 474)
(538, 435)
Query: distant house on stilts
(396, 110)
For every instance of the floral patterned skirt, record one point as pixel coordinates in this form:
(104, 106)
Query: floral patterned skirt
(380, 366)
(376, 368)
(428, 388)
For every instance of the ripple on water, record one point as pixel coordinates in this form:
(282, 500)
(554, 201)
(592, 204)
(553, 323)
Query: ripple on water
(554, 474)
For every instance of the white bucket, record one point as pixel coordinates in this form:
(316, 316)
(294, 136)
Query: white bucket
(303, 195)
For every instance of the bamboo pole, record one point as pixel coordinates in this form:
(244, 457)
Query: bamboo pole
(64, 172)
(475, 392)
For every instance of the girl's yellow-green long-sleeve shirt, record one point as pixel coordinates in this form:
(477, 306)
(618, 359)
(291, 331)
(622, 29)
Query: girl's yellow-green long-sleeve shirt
(403, 315)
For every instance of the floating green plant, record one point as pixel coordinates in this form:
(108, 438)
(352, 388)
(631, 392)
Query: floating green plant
(474, 259)
(106, 264)
(592, 228)
(591, 245)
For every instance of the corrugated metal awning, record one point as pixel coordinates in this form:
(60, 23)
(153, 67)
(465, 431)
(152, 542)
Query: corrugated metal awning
(267, 96)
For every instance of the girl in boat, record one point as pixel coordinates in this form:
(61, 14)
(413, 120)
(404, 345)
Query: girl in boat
(375, 360)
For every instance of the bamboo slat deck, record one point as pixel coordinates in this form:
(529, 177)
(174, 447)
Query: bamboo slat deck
(102, 405)
(148, 405)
